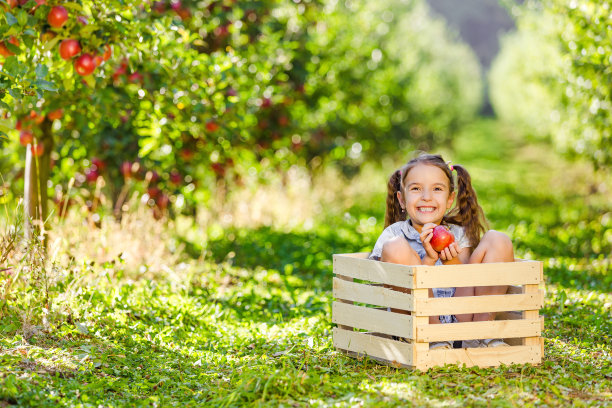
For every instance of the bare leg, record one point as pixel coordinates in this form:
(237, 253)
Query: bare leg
(494, 247)
(464, 291)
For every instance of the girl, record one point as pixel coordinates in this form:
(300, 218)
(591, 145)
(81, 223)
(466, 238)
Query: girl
(420, 196)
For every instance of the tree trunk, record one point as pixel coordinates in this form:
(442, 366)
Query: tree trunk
(37, 171)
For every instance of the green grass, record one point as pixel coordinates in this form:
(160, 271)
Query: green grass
(249, 324)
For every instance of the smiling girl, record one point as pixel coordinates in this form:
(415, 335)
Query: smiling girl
(420, 197)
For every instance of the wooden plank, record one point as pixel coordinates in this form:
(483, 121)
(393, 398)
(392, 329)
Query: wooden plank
(482, 357)
(367, 318)
(373, 271)
(488, 274)
(360, 255)
(478, 304)
(378, 347)
(420, 346)
(379, 360)
(373, 295)
(479, 330)
(344, 279)
(532, 315)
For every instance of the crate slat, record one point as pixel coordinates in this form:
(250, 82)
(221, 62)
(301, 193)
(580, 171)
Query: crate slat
(482, 357)
(478, 304)
(374, 295)
(360, 255)
(378, 347)
(532, 314)
(489, 274)
(480, 330)
(367, 318)
(374, 271)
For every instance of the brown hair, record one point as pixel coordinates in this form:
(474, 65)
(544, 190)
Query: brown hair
(467, 212)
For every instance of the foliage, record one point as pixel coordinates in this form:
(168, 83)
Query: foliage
(248, 322)
(198, 94)
(564, 80)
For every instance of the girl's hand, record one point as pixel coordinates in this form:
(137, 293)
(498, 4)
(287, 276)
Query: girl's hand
(426, 233)
(450, 252)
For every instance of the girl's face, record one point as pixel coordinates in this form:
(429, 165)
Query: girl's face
(426, 195)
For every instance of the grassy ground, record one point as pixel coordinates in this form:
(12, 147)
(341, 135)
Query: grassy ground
(243, 318)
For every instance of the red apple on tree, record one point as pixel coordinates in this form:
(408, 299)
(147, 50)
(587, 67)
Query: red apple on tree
(99, 163)
(108, 52)
(56, 114)
(441, 238)
(37, 149)
(126, 169)
(211, 126)
(4, 51)
(162, 201)
(91, 175)
(175, 177)
(85, 65)
(25, 137)
(69, 48)
(57, 17)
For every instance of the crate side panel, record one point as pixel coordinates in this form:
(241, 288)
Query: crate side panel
(374, 271)
(489, 274)
(366, 344)
(482, 357)
(367, 318)
(374, 295)
(480, 330)
(360, 255)
(479, 304)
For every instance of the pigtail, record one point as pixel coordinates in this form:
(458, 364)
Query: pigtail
(468, 212)
(394, 211)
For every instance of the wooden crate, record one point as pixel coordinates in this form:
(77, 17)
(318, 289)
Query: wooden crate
(365, 326)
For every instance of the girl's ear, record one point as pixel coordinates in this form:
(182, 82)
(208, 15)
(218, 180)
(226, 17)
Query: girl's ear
(400, 198)
(451, 198)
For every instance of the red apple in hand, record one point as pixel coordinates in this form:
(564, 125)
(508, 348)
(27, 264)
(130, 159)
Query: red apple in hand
(441, 238)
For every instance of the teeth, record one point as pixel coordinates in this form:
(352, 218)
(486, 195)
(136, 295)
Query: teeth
(426, 209)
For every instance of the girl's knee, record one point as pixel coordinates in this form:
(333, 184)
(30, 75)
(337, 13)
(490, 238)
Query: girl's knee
(499, 241)
(397, 250)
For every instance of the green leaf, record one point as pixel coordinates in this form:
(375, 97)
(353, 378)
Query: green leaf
(22, 17)
(12, 48)
(10, 19)
(73, 6)
(13, 67)
(41, 71)
(91, 81)
(46, 85)
(50, 44)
